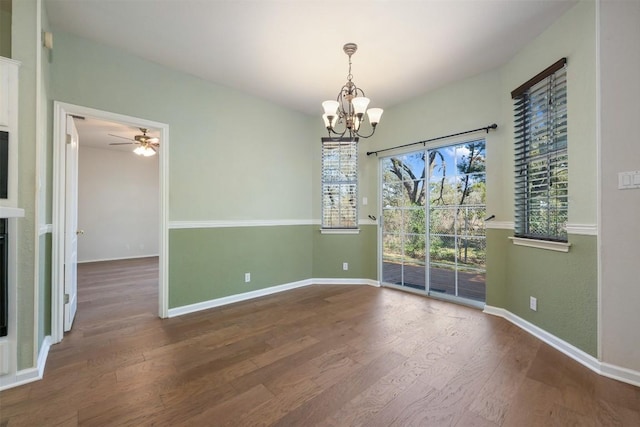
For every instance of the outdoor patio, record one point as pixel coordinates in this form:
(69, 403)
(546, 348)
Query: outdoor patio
(470, 285)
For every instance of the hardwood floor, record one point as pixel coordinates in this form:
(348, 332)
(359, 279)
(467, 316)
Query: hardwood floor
(320, 355)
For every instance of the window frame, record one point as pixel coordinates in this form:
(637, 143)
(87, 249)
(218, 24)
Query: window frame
(339, 226)
(541, 146)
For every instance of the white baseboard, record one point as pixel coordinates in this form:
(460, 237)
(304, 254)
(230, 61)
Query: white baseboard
(28, 375)
(619, 373)
(118, 259)
(191, 308)
(367, 282)
(606, 369)
(42, 357)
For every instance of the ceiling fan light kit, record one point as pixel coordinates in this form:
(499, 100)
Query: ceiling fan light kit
(349, 108)
(147, 145)
(144, 151)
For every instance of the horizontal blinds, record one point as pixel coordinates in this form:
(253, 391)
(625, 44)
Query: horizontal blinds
(339, 183)
(523, 88)
(541, 162)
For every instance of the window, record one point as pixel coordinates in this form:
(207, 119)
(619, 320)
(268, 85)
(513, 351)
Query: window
(541, 163)
(339, 183)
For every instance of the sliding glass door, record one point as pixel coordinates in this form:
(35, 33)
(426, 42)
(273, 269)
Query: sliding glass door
(403, 220)
(435, 199)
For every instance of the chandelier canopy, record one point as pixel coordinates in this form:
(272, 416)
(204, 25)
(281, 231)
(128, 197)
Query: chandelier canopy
(345, 115)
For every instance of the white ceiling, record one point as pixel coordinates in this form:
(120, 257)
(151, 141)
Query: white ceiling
(290, 51)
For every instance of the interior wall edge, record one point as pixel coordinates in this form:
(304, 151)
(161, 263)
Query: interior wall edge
(28, 375)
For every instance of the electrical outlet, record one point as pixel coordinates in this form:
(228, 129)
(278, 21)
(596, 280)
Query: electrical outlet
(247, 277)
(345, 266)
(533, 303)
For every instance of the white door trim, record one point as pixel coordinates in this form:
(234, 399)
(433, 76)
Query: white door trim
(60, 111)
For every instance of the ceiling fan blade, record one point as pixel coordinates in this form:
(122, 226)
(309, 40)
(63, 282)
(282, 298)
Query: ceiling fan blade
(123, 137)
(122, 143)
(153, 140)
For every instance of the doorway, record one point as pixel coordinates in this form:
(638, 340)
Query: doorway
(432, 231)
(64, 206)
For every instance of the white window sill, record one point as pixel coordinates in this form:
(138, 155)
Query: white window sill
(340, 231)
(541, 244)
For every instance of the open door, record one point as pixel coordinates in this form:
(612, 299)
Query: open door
(71, 225)
(65, 231)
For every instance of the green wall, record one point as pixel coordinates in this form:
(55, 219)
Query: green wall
(44, 294)
(5, 28)
(565, 285)
(210, 263)
(359, 250)
(231, 156)
(24, 48)
(44, 193)
(498, 246)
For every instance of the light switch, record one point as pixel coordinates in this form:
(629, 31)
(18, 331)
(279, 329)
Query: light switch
(629, 180)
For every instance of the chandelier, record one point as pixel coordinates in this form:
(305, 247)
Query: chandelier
(347, 111)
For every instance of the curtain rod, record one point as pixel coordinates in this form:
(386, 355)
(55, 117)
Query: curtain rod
(486, 128)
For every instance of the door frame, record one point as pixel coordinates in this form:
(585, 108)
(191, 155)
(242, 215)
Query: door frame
(60, 112)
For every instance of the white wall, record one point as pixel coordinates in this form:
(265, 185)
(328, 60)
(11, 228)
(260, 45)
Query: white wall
(118, 204)
(619, 211)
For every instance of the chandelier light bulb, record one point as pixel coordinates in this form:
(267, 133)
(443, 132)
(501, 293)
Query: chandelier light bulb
(360, 104)
(374, 115)
(329, 124)
(330, 107)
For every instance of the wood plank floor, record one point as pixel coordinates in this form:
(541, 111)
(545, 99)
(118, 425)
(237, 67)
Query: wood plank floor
(319, 355)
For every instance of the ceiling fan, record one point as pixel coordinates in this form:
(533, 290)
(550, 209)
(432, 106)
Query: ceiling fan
(147, 144)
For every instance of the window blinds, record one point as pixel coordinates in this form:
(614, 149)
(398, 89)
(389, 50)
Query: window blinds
(339, 183)
(541, 162)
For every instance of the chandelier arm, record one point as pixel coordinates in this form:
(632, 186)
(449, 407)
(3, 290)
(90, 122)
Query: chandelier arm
(373, 130)
(333, 131)
(338, 137)
(339, 120)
